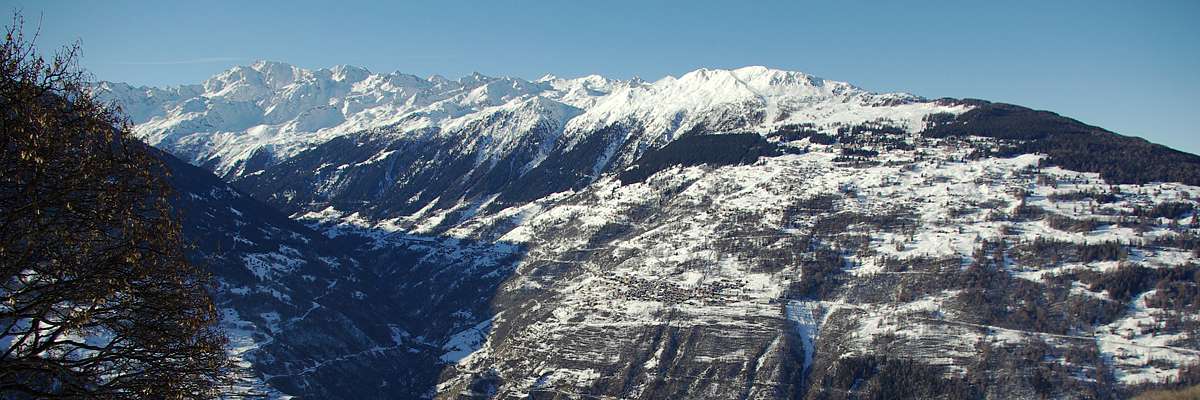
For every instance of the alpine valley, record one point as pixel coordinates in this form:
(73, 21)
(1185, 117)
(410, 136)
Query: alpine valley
(749, 233)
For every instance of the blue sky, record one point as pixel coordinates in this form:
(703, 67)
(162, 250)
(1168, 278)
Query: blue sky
(1127, 66)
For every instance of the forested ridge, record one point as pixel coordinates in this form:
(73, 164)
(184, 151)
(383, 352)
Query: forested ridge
(1069, 143)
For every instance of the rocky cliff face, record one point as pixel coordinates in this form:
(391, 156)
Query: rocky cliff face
(728, 234)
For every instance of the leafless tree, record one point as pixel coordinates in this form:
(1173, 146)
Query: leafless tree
(97, 299)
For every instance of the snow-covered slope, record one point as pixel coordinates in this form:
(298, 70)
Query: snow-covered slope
(802, 275)
(751, 98)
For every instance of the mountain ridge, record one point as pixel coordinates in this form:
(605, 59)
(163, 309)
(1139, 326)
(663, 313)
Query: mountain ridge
(282, 109)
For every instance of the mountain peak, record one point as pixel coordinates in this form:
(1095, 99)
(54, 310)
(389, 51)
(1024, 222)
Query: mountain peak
(475, 78)
(351, 73)
(760, 78)
(266, 65)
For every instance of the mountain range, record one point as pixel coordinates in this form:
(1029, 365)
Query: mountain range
(747, 233)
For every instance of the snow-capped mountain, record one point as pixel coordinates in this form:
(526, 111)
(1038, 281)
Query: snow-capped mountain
(247, 117)
(748, 233)
(272, 109)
